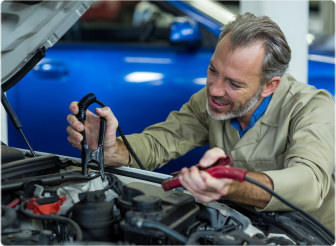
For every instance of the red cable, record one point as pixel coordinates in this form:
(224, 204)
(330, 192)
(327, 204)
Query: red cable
(13, 203)
(219, 170)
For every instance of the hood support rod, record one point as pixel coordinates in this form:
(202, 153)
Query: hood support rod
(15, 120)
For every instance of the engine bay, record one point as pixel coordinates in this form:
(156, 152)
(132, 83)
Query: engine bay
(47, 200)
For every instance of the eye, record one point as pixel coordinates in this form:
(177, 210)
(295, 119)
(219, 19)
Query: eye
(233, 85)
(212, 70)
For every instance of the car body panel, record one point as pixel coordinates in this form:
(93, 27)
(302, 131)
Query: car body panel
(321, 71)
(140, 84)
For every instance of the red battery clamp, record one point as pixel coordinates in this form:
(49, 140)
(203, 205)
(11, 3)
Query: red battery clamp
(219, 170)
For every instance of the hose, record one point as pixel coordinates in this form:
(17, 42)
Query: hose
(146, 224)
(62, 227)
(194, 238)
(79, 234)
(115, 184)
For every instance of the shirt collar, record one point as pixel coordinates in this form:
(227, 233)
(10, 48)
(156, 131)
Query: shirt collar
(256, 115)
(260, 110)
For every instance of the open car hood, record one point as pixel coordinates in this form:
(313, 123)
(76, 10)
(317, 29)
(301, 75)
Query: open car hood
(29, 29)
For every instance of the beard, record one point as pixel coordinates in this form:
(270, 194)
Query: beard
(234, 112)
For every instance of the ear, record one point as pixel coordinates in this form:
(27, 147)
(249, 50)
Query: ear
(270, 86)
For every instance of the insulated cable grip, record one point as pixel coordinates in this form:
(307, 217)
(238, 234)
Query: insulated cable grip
(97, 156)
(88, 155)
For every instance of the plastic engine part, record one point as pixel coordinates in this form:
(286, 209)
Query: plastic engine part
(95, 216)
(173, 209)
(45, 209)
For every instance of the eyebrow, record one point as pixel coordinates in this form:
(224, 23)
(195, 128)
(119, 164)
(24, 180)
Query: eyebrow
(233, 80)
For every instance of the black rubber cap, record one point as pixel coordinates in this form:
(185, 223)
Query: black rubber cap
(146, 204)
(92, 196)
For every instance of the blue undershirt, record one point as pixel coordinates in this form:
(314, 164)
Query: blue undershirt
(256, 115)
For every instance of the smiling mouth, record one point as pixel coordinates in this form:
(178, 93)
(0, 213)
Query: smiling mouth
(218, 105)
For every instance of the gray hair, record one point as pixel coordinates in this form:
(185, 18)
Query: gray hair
(247, 29)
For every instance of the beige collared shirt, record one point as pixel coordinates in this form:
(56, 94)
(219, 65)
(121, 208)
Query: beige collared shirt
(293, 143)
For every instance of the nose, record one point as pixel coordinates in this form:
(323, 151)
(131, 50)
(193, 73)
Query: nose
(217, 89)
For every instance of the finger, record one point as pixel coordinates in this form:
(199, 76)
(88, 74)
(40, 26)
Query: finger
(77, 146)
(196, 178)
(211, 156)
(186, 180)
(107, 113)
(74, 134)
(218, 187)
(202, 197)
(74, 108)
(75, 123)
(193, 182)
(73, 141)
(202, 194)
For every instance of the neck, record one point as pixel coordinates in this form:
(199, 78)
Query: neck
(245, 120)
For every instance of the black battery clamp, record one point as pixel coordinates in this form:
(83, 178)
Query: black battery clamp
(97, 156)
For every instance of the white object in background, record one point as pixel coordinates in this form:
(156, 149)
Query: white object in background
(4, 125)
(292, 17)
(327, 13)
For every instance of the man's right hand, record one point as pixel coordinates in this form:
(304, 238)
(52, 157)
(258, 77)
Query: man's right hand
(112, 145)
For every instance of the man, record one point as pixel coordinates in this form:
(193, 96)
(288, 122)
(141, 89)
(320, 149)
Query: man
(279, 130)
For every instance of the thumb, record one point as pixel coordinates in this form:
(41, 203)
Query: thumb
(103, 112)
(211, 156)
(107, 113)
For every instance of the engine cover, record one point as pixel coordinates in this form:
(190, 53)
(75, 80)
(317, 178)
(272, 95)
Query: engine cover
(173, 209)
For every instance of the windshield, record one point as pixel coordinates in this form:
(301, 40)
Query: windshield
(214, 10)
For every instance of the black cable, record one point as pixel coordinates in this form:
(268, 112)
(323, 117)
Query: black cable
(130, 149)
(79, 234)
(115, 184)
(206, 235)
(192, 227)
(146, 224)
(291, 205)
(165, 229)
(228, 228)
(112, 182)
(62, 227)
(200, 226)
(118, 186)
(125, 141)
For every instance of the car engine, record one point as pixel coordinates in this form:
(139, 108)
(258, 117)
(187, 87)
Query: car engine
(46, 200)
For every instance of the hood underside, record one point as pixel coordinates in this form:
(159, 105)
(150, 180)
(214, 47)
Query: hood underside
(28, 29)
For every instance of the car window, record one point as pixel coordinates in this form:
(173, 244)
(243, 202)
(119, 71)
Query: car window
(130, 22)
(122, 21)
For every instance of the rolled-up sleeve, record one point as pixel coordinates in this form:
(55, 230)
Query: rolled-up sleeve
(310, 158)
(307, 192)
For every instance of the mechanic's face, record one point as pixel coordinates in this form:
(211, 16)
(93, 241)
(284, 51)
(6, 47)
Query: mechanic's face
(233, 80)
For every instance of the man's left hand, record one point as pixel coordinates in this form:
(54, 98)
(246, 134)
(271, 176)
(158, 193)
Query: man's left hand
(201, 184)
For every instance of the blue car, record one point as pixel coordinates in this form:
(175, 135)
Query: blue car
(142, 59)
